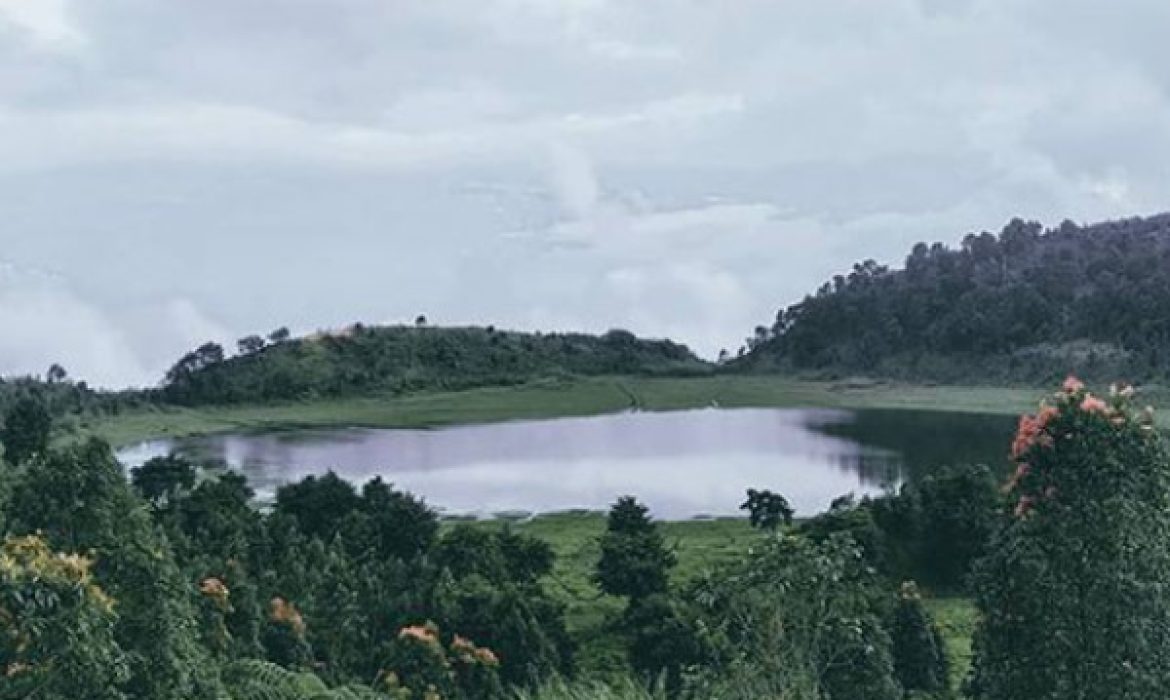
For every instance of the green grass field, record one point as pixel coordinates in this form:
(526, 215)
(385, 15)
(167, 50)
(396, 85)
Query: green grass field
(555, 398)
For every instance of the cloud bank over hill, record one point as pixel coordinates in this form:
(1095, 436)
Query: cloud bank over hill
(186, 171)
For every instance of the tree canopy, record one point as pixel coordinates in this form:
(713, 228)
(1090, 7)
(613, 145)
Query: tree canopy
(1027, 304)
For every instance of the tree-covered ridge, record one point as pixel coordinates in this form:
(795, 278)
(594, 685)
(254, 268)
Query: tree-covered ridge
(1027, 304)
(362, 359)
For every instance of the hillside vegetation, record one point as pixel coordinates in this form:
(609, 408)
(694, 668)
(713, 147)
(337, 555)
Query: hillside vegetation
(364, 360)
(1026, 305)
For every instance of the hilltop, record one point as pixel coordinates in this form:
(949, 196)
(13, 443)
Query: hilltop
(362, 360)
(1024, 305)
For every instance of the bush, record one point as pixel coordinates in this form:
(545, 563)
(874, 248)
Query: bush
(797, 619)
(1072, 592)
(56, 627)
(634, 560)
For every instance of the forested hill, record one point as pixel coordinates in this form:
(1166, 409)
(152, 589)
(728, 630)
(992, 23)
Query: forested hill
(1024, 305)
(365, 359)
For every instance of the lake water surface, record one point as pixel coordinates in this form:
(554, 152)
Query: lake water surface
(681, 463)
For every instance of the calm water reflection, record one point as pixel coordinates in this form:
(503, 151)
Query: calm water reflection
(681, 463)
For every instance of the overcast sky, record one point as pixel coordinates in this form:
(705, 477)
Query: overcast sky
(174, 171)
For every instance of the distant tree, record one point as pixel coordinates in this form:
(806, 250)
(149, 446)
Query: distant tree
(164, 479)
(26, 431)
(634, 559)
(767, 510)
(56, 374)
(206, 355)
(420, 320)
(250, 345)
(280, 335)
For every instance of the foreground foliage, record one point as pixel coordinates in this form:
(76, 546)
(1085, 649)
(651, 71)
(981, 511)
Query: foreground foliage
(1072, 593)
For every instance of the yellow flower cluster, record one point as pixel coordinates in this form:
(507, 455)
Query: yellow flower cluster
(30, 557)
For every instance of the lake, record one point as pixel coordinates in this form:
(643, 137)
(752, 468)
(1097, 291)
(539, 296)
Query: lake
(681, 463)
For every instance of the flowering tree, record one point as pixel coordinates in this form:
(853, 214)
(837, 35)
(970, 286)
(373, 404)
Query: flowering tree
(56, 626)
(1072, 593)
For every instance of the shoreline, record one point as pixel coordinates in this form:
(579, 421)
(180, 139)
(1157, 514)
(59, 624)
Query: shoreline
(550, 400)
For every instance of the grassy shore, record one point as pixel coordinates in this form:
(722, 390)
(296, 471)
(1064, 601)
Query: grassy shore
(701, 545)
(554, 398)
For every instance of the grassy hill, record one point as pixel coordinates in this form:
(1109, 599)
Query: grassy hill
(364, 360)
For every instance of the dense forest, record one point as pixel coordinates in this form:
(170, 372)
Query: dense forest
(366, 359)
(173, 584)
(1026, 305)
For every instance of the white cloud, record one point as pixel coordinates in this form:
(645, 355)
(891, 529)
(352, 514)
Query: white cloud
(45, 22)
(221, 133)
(45, 322)
(578, 163)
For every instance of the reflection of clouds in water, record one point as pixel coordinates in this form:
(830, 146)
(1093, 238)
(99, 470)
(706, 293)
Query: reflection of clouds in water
(673, 487)
(681, 463)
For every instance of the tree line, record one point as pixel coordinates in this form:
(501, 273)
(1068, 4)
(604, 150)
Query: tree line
(1027, 304)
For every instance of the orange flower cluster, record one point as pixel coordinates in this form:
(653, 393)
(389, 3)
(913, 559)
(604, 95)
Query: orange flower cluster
(462, 644)
(215, 589)
(284, 612)
(1036, 430)
(423, 633)
(467, 652)
(486, 656)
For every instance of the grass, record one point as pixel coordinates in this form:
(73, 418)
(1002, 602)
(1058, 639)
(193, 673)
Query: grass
(546, 399)
(956, 619)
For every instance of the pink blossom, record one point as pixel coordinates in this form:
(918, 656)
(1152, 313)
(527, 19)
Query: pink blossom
(1092, 404)
(1073, 385)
